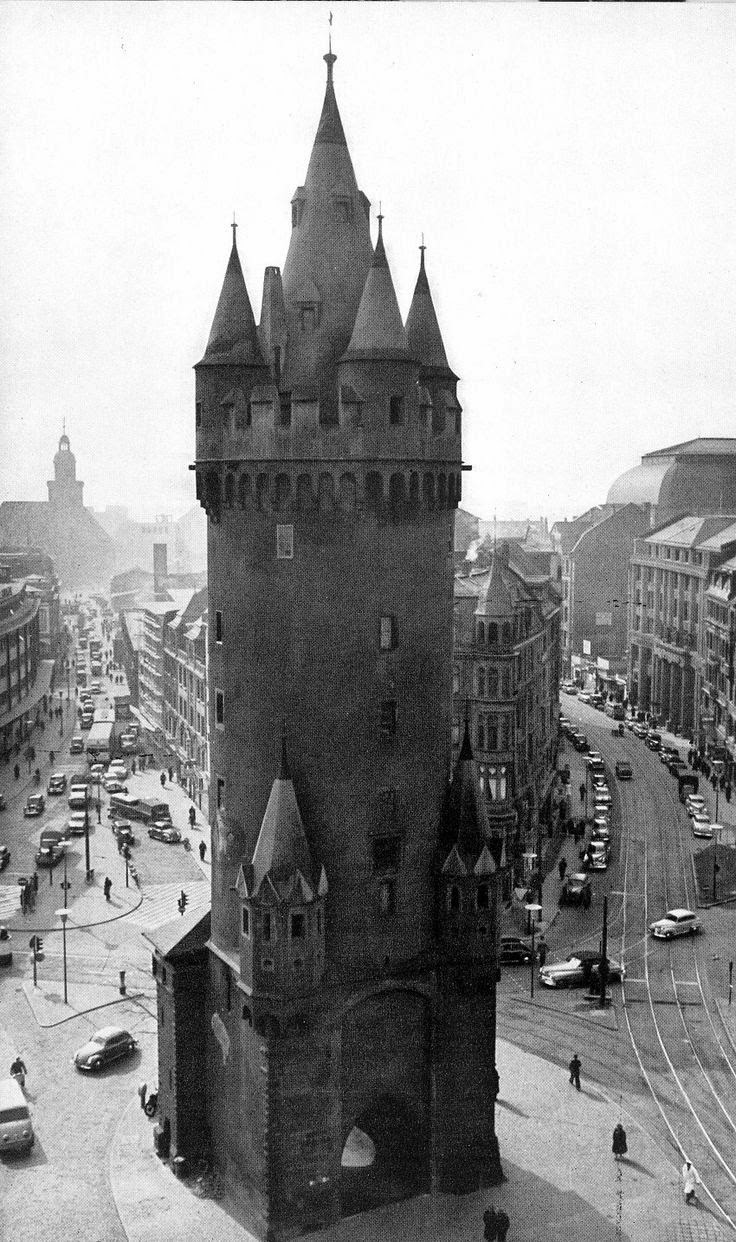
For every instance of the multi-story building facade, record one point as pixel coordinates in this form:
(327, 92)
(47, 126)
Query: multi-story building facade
(717, 731)
(185, 696)
(37, 569)
(506, 670)
(25, 678)
(350, 964)
(595, 549)
(669, 576)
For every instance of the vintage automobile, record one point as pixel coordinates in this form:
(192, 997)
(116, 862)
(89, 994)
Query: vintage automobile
(579, 970)
(576, 890)
(675, 923)
(109, 1044)
(34, 806)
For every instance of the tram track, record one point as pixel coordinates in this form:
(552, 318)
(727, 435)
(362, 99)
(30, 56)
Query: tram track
(696, 1117)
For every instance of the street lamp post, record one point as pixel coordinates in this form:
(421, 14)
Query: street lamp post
(99, 801)
(86, 836)
(533, 907)
(716, 830)
(63, 915)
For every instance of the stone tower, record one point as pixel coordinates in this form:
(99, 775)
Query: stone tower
(351, 1010)
(65, 489)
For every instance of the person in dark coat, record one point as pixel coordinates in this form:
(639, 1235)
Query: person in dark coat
(162, 778)
(618, 1147)
(106, 887)
(490, 1226)
(542, 950)
(202, 850)
(562, 867)
(575, 1067)
(582, 791)
(502, 1225)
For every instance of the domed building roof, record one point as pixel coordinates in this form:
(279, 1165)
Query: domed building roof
(641, 484)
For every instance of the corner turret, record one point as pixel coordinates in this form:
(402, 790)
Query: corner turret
(468, 887)
(282, 896)
(438, 381)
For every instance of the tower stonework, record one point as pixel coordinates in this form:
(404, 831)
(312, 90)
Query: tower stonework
(353, 950)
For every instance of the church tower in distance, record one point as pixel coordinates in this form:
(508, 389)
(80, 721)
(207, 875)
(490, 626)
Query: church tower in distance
(352, 961)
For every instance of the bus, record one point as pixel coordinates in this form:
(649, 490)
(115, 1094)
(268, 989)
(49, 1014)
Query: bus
(615, 710)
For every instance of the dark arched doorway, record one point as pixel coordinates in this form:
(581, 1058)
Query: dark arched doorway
(385, 1158)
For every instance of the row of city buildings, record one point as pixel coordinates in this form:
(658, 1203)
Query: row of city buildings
(31, 640)
(649, 595)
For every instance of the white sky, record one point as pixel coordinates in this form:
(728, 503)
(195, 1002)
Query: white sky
(572, 167)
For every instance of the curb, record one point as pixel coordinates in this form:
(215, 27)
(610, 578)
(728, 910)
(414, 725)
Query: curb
(79, 1013)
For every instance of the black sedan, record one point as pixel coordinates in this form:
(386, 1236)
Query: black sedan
(109, 1044)
(164, 832)
(513, 949)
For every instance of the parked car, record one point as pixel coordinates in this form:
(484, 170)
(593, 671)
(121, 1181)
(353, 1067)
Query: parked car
(623, 770)
(580, 741)
(601, 831)
(584, 696)
(640, 729)
(675, 923)
(118, 768)
(694, 804)
(123, 830)
(702, 826)
(570, 688)
(97, 769)
(513, 949)
(76, 824)
(107, 1045)
(578, 970)
(164, 832)
(34, 806)
(654, 740)
(4, 857)
(49, 855)
(602, 797)
(598, 854)
(76, 746)
(112, 784)
(576, 890)
(668, 752)
(57, 784)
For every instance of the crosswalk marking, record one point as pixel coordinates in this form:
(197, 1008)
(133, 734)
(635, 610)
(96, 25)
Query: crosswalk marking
(9, 901)
(159, 902)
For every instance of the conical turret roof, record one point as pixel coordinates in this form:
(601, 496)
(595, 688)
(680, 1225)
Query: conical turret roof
(422, 328)
(466, 813)
(329, 251)
(282, 851)
(503, 590)
(234, 336)
(378, 331)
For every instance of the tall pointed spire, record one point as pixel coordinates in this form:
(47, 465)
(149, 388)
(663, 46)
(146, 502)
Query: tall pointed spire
(282, 849)
(379, 330)
(233, 336)
(467, 820)
(422, 328)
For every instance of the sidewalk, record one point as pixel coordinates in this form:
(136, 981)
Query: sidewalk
(563, 1184)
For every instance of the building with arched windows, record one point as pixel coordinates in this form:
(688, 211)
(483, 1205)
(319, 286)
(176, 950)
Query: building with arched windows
(351, 957)
(506, 667)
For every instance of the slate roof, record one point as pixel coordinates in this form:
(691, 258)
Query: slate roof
(422, 328)
(233, 337)
(378, 331)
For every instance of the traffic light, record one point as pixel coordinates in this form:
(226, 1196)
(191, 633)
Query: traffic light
(35, 943)
(182, 902)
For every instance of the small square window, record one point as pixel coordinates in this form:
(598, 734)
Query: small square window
(284, 543)
(266, 926)
(246, 921)
(218, 627)
(388, 633)
(387, 896)
(220, 708)
(297, 927)
(388, 718)
(396, 411)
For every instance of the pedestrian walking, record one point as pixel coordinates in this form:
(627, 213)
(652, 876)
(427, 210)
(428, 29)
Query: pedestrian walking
(106, 887)
(490, 1225)
(575, 1068)
(132, 766)
(171, 775)
(142, 1092)
(162, 778)
(542, 950)
(34, 881)
(502, 1225)
(618, 1146)
(562, 867)
(192, 817)
(690, 1180)
(202, 850)
(16, 771)
(582, 791)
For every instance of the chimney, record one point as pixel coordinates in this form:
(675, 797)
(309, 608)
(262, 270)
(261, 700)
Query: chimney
(160, 568)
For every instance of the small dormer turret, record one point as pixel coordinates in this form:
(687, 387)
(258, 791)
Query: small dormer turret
(468, 881)
(282, 899)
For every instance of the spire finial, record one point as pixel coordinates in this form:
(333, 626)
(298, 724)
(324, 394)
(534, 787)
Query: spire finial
(380, 218)
(63, 426)
(330, 58)
(234, 228)
(422, 249)
(284, 774)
